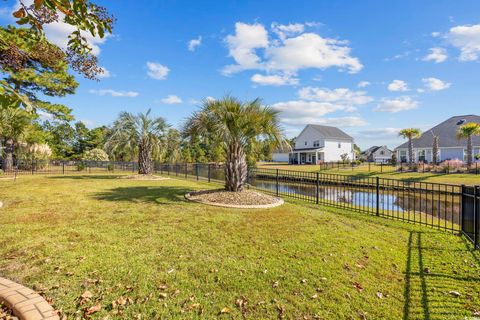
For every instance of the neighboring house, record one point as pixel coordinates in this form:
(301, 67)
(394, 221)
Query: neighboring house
(317, 143)
(450, 147)
(379, 154)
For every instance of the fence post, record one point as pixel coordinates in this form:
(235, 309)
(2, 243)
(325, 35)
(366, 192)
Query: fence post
(186, 168)
(209, 172)
(381, 167)
(196, 170)
(476, 215)
(32, 167)
(317, 188)
(276, 179)
(378, 195)
(176, 169)
(63, 167)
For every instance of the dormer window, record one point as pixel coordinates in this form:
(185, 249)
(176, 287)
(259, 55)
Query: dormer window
(305, 142)
(316, 143)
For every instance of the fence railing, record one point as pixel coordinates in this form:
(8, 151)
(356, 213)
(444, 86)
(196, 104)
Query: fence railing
(448, 207)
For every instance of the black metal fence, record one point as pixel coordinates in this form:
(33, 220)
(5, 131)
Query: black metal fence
(448, 207)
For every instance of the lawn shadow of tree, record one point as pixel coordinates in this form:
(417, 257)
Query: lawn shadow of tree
(430, 286)
(154, 194)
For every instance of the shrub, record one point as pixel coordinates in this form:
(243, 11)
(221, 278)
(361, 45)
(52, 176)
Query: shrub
(81, 166)
(34, 156)
(454, 165)
(95, 155)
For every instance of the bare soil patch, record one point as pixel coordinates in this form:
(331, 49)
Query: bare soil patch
(143, 177)
(243, 199)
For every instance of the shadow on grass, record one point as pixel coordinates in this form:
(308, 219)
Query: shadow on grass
(88, 176)
(429, 287)
(160, 195)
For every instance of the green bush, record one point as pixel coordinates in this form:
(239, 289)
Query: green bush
(81, 166)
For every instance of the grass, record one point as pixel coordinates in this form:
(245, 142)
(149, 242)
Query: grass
(64, 235)
(387, 171)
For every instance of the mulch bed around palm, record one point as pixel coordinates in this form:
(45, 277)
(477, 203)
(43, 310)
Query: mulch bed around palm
(242, 198)
(6, 313)
(143, 177)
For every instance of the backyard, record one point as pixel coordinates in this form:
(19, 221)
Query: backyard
(103, 247)
(384, 171)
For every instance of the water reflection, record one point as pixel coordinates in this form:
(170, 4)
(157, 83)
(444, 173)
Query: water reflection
(441, 206)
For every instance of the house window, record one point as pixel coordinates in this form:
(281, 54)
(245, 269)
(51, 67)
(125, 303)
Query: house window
(339, 145)
(421, 156)
(403, 155)
(305, 142)
(316, 143)
(382, 153)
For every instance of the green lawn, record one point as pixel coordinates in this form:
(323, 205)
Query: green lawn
(171, 259)
(386, 171)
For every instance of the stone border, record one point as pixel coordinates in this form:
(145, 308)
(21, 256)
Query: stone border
(25, 303)
(279, 202)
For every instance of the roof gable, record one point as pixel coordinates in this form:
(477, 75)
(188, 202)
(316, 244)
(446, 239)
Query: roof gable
(447, 134)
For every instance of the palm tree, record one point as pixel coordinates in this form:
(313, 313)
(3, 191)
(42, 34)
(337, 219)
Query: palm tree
(140, 134)
(235, 126)
(467, 131)
(410, 134)
(13, 123)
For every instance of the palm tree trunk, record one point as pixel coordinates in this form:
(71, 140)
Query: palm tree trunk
(410, 152)
(435, 150)
(469, 151)
(144, 161)
(235, 168)
(8, 161)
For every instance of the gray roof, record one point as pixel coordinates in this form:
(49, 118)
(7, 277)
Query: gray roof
(330, 132)
(447, 134)
(374, 149)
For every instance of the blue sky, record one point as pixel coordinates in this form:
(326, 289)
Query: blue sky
(368, 67)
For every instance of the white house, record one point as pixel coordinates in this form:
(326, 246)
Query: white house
(316, 144)
(450, 147)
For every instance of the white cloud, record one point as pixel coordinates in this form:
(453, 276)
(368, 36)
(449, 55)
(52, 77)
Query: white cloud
(379, 132)
(309, 50)
(287, 30)
(334, 121)
(157, 71)
(171, 99)
(194, 43)
(290, 51)
(396, 105)
(398, 85)
(209, 98)
(467, 39)
(363, 84)
(274, 80)
(340, 95)
(104, 74)
(434, 84)
(242, 46)
(437, 55)
(114, 93)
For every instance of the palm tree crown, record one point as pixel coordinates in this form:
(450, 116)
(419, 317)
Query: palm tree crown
(139, 134)
(236, 126)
